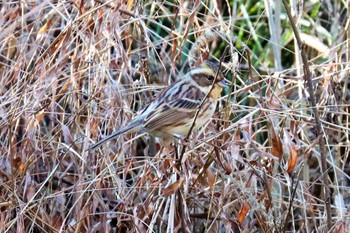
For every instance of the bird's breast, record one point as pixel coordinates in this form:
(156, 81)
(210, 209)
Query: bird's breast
(206, 112)
(216, 92)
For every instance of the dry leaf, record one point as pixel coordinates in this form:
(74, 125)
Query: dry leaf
(171, 189)
(68, 138)
(45, 27)
(129, 4)
(275, 141)
(292, 151)
(243, 212)
(210, 177)
(30, 192)
(293, 155)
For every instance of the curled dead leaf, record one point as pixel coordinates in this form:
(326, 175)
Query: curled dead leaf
(171, 189)
(243, 212)
(210, 177)
(291, 150)
(275, 141)
(293, 155)
(44, 28)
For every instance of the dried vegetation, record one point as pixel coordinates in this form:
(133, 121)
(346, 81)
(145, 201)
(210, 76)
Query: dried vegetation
(72, 72)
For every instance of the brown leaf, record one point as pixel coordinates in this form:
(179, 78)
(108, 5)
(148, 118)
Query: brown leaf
(228, 167)
(57, 222)
(38, 117)
(171, 189)
(67, 136)
(210, 177)
(341, 228)
(45, 27)
(293, 155)
(243, 212)
(129, 4)
(11, 47)
(275, 141)
(30, 192)
(100, 16)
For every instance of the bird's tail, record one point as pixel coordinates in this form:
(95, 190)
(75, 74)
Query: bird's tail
(131, 127)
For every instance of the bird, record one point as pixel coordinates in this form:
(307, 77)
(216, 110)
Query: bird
(172, 114)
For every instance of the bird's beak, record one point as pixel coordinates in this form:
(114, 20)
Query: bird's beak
(222, 83)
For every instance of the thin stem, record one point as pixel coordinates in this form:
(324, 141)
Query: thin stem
(319, 134)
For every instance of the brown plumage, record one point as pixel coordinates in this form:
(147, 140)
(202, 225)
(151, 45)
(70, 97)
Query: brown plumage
(171, 114)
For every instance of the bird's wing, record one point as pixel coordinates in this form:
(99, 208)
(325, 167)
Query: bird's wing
(171, 113)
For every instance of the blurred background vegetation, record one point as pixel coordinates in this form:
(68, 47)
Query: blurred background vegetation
(72, 72)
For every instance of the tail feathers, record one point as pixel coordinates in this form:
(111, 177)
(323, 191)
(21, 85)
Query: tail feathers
(133, 126)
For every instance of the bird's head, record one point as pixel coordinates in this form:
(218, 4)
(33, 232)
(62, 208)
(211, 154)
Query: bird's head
(208, 77)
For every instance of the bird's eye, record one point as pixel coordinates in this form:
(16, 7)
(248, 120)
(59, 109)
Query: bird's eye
(210, 78)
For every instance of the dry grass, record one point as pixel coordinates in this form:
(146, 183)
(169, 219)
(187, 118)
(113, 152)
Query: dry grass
(73, 72)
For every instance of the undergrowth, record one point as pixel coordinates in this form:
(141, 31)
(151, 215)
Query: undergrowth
(72, 72)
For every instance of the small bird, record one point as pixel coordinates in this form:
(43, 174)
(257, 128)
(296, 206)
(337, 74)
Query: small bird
(170, 115)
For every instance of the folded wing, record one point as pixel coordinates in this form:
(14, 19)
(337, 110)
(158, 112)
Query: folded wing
(171, 113)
